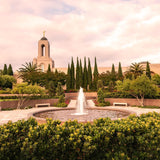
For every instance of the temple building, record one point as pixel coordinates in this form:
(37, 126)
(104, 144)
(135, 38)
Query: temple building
(43, 61)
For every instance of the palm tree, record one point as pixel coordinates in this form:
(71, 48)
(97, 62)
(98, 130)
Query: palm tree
(136, 69)
(29, 73)
(28, 67)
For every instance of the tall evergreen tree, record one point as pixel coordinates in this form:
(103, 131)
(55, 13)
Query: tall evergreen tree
(80, 74)
(9, 70)
(68, 82)
(56, 72)
(85, 74)
(113, 73)
(148, 72)
(120, 74)
(89, 74)
(72, 75)
(5, 69)
(49, 68)
(95, 74)
(77, 75)
(113, 69)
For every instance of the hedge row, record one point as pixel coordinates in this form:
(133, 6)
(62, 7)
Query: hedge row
(125, 95)
(134, 138)
(32, 97)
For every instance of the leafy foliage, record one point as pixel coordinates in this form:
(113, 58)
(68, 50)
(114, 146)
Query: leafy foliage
(156, 79)
(49, 68)
(85, 75)
(77, 75)
(136, 69)
(72, 75)
(5, 69)
(68, 78)
(139, 88)
(9, 70)
(95, 75)
(148, 72)
(59, 89)
(120, 74)
(32, 75)
(51, 88)
(6, 81)
(24, 91)
(100, 95)
(89, 74)
(131, 138)
(99, 84)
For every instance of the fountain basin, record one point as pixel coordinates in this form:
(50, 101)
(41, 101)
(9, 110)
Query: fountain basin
(92, 114)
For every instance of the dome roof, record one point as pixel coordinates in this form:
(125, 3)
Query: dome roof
(44, 38)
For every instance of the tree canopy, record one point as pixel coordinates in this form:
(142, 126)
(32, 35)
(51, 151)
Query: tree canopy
(139, 88)
(24, 91)
(6, 81)
(136, 69)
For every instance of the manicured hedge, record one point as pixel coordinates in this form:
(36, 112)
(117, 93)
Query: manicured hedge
(32, 97)
(125, 95)
(133, 138)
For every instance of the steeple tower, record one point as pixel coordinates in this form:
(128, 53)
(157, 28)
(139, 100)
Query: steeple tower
(43, 60)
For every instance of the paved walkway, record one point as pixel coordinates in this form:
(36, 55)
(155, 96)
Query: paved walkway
(16, 115)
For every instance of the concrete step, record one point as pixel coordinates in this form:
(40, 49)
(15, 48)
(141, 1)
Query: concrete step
(90, 103)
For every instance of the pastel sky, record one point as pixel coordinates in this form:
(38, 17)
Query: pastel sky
(112, 30)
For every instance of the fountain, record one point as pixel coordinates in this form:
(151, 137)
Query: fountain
(81, 103)
(84, 111)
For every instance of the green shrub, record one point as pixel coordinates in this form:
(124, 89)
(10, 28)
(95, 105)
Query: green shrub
(134, 138)
(28, 107)
(61, 99)
(107, 103)
(100, 96)
(61, 105)
(101, 104)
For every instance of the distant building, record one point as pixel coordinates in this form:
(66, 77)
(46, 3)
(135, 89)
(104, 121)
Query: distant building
(43, 60)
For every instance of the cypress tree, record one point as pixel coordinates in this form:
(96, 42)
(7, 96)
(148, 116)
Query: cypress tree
(72, 75)
(89, 74)
(95, 74)
(80, 74)
(49, 68)
(77, 75)
(113, 73)
(113, 70)
(5, 69)
(120, 74)
(148, 72)
(68, 82)
(10, 71)
(56, 72)
(85, 81)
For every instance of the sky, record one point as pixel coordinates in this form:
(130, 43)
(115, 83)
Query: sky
(113, 31)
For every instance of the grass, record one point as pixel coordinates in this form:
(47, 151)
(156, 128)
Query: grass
(150, 107)
(1, 100)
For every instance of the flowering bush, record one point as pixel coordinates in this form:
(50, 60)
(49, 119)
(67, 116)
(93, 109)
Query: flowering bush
(131, 138)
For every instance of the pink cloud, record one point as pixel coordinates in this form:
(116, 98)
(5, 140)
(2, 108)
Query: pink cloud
(113, 31)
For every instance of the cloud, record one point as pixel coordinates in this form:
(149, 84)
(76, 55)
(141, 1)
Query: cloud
(113, 31)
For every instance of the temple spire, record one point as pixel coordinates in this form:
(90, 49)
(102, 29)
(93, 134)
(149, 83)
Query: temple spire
(44, 33)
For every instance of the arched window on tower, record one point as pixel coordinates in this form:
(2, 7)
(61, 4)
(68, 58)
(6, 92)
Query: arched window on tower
(43, 50)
